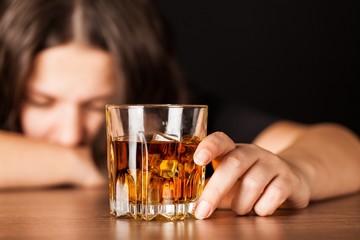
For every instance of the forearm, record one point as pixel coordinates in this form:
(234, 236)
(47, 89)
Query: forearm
(328, 156)
(27, 163)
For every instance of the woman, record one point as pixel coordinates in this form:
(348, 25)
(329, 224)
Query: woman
(128, 35)
(62, 60)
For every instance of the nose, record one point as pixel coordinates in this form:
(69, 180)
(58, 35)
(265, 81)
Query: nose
(71, 130)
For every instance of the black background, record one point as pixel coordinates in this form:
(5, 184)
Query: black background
(290, 58)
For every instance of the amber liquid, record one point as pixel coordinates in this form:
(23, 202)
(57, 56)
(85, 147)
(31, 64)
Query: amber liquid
(165, 176)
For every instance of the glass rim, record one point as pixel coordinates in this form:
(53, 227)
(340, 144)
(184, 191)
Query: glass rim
(128, 106)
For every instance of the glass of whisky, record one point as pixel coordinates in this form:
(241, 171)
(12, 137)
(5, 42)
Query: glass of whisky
(151, 170)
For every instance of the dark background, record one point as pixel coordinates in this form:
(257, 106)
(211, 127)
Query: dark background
(292, 59)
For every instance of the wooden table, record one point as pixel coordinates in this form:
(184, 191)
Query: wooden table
(83, 214)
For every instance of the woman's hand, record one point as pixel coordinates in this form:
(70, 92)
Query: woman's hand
(247, 177)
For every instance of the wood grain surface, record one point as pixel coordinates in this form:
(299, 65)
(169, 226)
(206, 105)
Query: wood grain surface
(84, 214)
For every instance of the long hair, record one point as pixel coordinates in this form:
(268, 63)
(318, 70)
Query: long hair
(132, 31)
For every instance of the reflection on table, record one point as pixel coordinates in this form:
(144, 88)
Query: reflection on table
(76, 213)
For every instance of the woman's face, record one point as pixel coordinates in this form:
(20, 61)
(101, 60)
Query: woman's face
(66, 93)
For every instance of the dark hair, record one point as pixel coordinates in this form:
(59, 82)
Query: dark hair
(133, 31)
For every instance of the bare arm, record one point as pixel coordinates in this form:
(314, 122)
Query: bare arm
(288, 163)
(327, 154)
(28, 163)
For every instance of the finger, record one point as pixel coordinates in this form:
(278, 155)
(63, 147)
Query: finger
(275, 194)
(233, 165)
(212, 146)
(251, 185)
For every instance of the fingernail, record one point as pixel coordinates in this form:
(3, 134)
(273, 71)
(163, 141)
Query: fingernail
(202, 157)
(202, 210)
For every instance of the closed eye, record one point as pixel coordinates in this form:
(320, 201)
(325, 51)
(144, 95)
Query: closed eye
(40, 101)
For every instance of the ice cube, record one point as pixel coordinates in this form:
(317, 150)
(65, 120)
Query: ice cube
(154, 163)
(168, 168)
(190, 139)
(165, 145)
(162, 137)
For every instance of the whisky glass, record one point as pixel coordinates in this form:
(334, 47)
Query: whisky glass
(151, 170)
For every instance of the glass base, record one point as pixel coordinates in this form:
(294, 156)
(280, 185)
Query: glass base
(148, 212)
